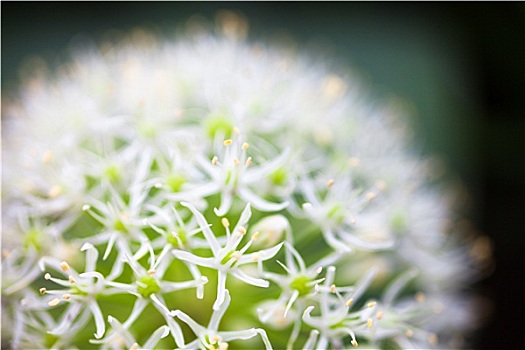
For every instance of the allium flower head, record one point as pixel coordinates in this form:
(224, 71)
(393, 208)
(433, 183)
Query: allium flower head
(207, 192)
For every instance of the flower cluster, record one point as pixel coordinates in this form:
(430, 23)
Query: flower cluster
(209, 193)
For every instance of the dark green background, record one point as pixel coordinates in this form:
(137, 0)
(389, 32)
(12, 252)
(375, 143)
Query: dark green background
(459, 67)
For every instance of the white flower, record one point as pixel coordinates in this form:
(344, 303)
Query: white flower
(227, 259)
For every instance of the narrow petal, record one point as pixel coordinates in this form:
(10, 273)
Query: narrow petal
(195, 327)
(310, 343)
(395, 287)
(226, 203)
(221, 290)
(217, 315)
(99, 320)
(257, 174)
(249, 279)
(260, 203)
(210, 237)
(194, 259)
(160, 333)
(122, 331)
(91, 256)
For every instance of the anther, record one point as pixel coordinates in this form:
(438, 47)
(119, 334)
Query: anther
(66, 296)
(409, 333)
(349, 302)
(255, 236)
(330, 183)
(420, 297)
(255, 256)
(369, 323)
(236, 130)
(47, 156)
(245, 146)
(225, 222)
(332, 289)
(151, 272)
(354, 343)
(72, 280)
(242, 230)
(370, 195)
(237, 255)
(64, 266)
(54, 191)
(47, 276)
(381, 185)
(43, 291)
(371, 304)
(215, 339)
(236, 161)
(215, 160)
(380, 315)
(432, 339)
(223, 346)
(228, 142)
(249, 161)
(54, 302)
(135, 346)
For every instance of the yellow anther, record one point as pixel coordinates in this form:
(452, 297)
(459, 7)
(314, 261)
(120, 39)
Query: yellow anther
(249, 161)
(369, 323)
(54, 191)
(135, 346)
(215, 160)
(245, 146)
(255, 236)
(349, 302)
(72, 280)
(47, 276)
(225, 222)
(151, 272)
(370, 195)
(354, 344)
(54, 302)
(255, 256)
(380, 315)
(215, 339)
(332, 288)
(236, 130)
(420, 297)
(66, 296)
(228, 142)
(236, 161)
(223, 346)
(64, 266)
(433, 339)
(330, 183)
(371, 304)
(409, 333)
(242, 230)
(43, 291)
(353, 162)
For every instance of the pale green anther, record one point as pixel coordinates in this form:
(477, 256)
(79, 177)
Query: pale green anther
(218, 123)
(147, 285)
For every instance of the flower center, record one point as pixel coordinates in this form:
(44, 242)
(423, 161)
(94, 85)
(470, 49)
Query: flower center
(300, 284)
(147, 285)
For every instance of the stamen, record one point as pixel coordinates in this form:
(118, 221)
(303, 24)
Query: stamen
(54, 191)
(236, 255)
(228, 142)
(330, 183)
(215, 160)
(255, 256)
(371, 304)
(380, 315)
(64, 266)
(354, 344)
(236, 130)
(420, 297)
(135, 346)
(369, 323)
(151, 272)
(332, 289)
(47, 276)
(370, 195)
(86, 207)
(43, 291)
(353, 162)
(242, 230)
(236, 161)
(255, 236)
(54, 302)
(409, 333)
(47, 156)
(72, 280)
(381, 185)
(66, 296)
(249, 161)
(225, 222)
(245, 146)
(349, 302)
(215, 339)
(223, 346)
(433, 339)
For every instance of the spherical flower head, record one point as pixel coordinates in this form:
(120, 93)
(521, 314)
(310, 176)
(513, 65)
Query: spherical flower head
(247, 173)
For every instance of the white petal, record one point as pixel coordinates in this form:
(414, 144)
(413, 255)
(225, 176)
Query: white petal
(160, 333)
(260, 203)
(249, 279)
(210, 237)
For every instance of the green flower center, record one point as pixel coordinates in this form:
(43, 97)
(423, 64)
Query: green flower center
(218, 123)
(175, 182)
(119, 226)
(279, 177)
(336, 213)
(113, 174)
(147, 285)
(34, 238)
(182, 238)
(300, 284)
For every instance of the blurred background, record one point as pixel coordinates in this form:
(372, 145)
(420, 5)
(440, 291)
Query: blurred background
(458, 68)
